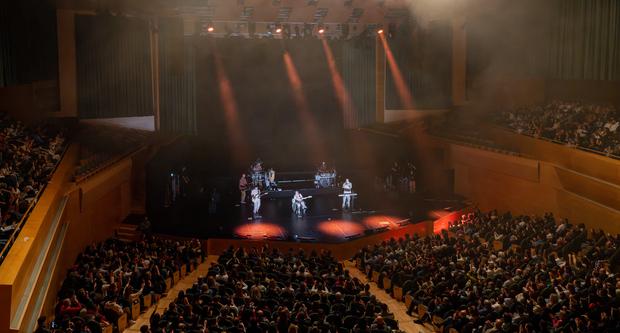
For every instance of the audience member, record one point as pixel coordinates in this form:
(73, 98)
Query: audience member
(532, 281)
(576, 124)
(107, 276)
(265, 290)
(28, 156)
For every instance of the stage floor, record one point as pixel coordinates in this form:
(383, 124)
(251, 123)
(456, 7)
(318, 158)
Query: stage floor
(325, 221)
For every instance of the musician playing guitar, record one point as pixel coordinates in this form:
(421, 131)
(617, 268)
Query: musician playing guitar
(298, 203)
(256, 200)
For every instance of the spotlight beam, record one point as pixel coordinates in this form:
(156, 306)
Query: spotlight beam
(308, 124)
(231, 113)
(344, 99)
(416, 135)
(403, 91)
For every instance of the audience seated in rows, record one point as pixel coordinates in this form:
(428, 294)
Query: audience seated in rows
(265, 290)
(28, 156)
(496, 272)
(105, 278)
(576, 124)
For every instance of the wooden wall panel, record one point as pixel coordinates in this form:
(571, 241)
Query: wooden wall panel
(518, 167)
(605, 193)
(495, 181)
(490, 190)
(590, 164)
(92, 212)
(582, 210)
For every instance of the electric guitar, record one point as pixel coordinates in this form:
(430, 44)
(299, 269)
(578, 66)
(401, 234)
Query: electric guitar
(260, 195)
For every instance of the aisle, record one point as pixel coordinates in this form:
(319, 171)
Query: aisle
(163, 303)
(405, 321)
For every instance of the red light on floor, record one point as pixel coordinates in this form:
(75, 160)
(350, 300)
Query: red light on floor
(341, 228)
(443, 222)
(260, 231)
(382, 221)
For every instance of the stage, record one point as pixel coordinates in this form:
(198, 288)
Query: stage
(325, 221)
(363, 158)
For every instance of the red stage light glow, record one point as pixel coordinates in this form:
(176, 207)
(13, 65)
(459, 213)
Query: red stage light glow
(260, 230)
(380, 31)
(233, 125)
(416, 133)
(310, 128)
(340, 228)
(278, 30)
(210, 29)
(321, 31)
(444, 220)
(344, 99)
(381, 221)
(399, 81)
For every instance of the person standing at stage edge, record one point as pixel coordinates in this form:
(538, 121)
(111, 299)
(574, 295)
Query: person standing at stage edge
(243, 187)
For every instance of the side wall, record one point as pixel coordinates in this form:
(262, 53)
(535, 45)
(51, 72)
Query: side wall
(67, 218)
(590, 164)
(529, 186)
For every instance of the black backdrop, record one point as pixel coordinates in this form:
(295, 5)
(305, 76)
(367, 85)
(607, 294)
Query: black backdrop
(268, 114)
(424, 57)
(113, 66)
(28, 50)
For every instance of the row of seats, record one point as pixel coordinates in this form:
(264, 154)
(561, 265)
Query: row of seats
(503, 273)
(28, 157)
(591, 126)
(113, 281)
(266, 290)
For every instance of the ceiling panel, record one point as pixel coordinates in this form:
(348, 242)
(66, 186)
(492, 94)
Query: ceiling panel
(338, 11)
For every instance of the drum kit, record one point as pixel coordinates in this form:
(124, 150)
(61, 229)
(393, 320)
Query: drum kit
(258, 178)
(325, 179)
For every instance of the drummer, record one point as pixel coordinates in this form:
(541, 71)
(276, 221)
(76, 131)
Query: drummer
(257, 166)
(325, 176)
(257, 172)
(323, 168)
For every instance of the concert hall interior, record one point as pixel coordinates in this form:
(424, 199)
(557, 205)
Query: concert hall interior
(309, 166)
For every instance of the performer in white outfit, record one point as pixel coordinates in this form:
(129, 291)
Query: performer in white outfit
(298, 203)
(347, 191)
(255, 200)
